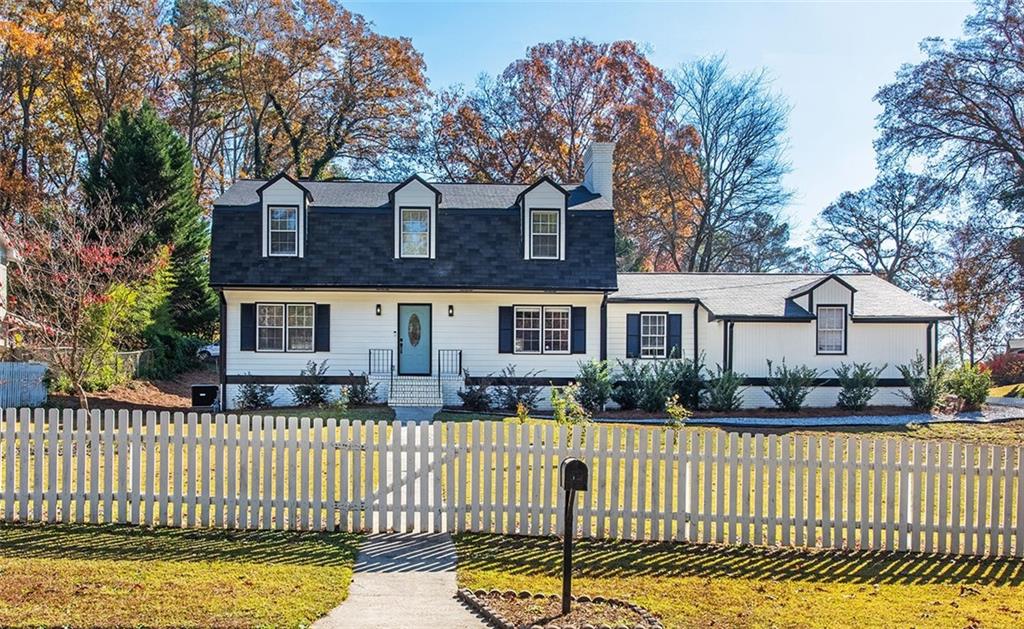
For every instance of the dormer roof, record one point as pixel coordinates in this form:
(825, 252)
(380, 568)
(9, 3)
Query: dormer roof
(543, 180)
(409, 180)
(291, 180)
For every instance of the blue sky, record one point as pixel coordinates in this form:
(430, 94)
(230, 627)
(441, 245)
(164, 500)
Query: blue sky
(827, 59)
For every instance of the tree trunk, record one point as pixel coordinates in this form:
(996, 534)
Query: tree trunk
(83, 399)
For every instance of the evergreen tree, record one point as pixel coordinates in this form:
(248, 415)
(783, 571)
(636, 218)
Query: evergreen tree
(145, 167)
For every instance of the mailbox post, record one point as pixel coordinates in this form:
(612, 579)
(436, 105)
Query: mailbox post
(573, 476)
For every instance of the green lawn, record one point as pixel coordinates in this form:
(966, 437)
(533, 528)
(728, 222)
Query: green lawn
(362, 413)
(692, 585)
(69, 575)
(1008, 390)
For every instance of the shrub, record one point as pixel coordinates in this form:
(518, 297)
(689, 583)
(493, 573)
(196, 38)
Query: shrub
(477, 397)
(171, 353)
(510, 391)
(925, 387)
(788, 387)
(725, 390)
(677, 413)
(858, 383)
(312, 389)
(252, 396)
(970, 383)
(566, 405)
(363, 393)
(690, 385)
(595, 380)
(1006, 368)
(659, 384)
(629, 388)
(522, 413)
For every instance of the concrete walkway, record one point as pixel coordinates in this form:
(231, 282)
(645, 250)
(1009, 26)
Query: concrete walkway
(403, 580)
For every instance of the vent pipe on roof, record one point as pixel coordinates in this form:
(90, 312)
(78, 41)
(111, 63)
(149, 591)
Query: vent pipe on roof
(597, 168)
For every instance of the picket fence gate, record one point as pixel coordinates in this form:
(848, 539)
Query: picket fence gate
(264, 472)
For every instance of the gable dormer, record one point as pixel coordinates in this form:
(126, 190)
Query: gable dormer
(544, 220)
(829, 300)
(414, 204)
(284, 203)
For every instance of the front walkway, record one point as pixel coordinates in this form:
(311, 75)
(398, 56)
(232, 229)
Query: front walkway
(403, 580)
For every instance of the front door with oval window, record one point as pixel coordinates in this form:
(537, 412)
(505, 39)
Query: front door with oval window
(414, 339)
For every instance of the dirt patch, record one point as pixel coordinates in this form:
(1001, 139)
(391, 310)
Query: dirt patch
(523, 610)
(147, 395)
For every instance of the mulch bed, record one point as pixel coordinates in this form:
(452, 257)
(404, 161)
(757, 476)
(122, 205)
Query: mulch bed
(825, 411)
(526, 610)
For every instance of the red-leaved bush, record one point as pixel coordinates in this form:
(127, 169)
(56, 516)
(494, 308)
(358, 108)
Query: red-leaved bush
(1006, 368)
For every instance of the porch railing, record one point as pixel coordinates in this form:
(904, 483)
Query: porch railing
(449, 363)
(381, 363)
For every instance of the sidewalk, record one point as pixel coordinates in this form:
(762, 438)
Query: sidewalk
(403, 580)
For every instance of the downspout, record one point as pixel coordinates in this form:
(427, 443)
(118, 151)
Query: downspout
(222, 360)
(696, 344)
(604, 327)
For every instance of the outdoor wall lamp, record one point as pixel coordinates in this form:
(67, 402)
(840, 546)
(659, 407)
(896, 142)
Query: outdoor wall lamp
(378, 310)
(451, 310)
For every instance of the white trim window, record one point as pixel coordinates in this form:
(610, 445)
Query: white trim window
(653, 331)
(542, 329)
(544, 234)
(415, 232)
(300, 327)
(528, 330)
(283, 235)
(831, 330)
(270, 330)
(556, 330)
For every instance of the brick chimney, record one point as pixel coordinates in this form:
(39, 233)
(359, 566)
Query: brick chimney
(597, 169)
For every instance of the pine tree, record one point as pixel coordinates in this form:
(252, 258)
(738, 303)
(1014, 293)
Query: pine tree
(145, 168)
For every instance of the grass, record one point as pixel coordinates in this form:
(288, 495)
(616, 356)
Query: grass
(691, 585)
(70, 575)
(362, 413)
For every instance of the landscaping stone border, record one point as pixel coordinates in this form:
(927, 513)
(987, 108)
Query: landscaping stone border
(474, 599)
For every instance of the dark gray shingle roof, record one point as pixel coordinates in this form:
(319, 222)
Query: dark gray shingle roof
(366, 194)
(765, 294)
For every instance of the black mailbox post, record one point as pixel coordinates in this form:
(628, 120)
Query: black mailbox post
(573, 476)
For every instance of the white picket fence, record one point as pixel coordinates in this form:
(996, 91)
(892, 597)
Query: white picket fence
(646, 482)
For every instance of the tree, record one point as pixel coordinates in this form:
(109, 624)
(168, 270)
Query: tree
(740, 158)
(146, 165)
(961, 107)
(539, 115)
(978, 285)
(318, 85)
(83, 253)
(888, 229)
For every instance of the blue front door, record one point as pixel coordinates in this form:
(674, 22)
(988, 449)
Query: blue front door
(414, 339)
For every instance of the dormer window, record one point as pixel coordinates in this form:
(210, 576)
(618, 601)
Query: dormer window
(284, 230)
(545, 234)
(415, 232)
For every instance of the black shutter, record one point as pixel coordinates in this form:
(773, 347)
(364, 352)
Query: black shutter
(505, 331)
(675, 336)
(632, 336)
(322, 333)
(579, 330)
(248, 328)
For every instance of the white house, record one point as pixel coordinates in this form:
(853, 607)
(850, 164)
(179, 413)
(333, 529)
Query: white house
(424, 288)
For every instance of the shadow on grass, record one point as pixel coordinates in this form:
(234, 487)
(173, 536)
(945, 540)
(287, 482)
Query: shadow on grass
(134, 543)
(614, 559)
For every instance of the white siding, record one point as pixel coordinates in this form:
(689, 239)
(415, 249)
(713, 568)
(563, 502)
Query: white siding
(617, 325)
(832, 293)
(415, 194)
(546, 197)
(355, 330)
(284, 192)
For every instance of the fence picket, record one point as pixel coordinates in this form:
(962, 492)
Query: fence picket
(614, 499)
(10, 419)
(787, 445)
(811, 538)
(317, 471)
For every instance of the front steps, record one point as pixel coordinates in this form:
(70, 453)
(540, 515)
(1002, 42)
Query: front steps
(420, 391)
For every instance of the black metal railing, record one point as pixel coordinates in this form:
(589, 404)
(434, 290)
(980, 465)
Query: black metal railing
(382, 362)
(449, 363)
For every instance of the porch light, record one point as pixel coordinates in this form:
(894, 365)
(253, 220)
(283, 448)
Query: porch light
(378, 310)
(451, 310)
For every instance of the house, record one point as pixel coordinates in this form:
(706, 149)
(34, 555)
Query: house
(425, 287)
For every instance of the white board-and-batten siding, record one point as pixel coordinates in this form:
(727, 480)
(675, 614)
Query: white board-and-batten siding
(355, 329)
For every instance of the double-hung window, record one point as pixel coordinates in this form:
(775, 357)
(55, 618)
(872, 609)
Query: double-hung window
(284, 327)
(544, 234)
(831, 329)
(284, 230)
(542, 329)
(653, 328)
(415, 233)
